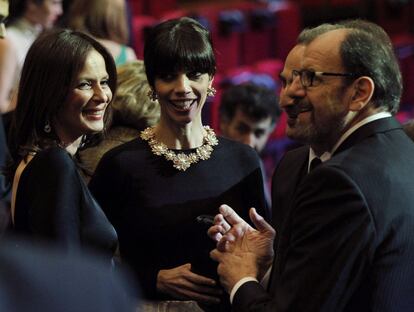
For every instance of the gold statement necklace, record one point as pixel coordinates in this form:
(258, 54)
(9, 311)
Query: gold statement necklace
(181, 161)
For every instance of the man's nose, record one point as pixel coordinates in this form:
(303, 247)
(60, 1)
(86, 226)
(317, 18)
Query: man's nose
(292, 91)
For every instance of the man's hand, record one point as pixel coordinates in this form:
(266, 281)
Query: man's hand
(223, 222)
(241, 250)
(181, 283)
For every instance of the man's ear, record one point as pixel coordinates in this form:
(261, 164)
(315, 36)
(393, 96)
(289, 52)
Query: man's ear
(362, 91)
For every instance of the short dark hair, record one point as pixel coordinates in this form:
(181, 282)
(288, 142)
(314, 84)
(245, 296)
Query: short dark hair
(178, 44)
(255, 101)
(50, 70)
(367, 51)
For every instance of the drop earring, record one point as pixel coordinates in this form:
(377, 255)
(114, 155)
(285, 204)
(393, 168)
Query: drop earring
(47, 128)
(211, 91)
(152, 95)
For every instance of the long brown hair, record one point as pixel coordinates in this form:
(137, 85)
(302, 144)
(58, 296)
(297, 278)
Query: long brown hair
(103, 19)
(49, 72)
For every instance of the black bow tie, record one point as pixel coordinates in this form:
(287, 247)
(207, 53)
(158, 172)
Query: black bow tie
(314, 163)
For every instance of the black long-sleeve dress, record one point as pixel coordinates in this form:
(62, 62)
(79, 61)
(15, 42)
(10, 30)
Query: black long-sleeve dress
(54, 205)
(153, 206)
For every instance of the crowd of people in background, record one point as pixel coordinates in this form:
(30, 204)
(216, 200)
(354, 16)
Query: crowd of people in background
(117, 196)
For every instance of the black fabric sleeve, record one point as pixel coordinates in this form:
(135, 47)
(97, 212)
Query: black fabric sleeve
(110, 186)
(55, 189)
(327, 246)
(107, 186)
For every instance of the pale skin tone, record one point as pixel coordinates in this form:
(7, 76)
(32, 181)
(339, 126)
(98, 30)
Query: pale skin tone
(181, 129)
(8, 65)
(181, 96)
(237, 258)
(241, 249)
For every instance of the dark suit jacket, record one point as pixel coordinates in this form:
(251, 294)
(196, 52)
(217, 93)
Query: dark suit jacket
(345, 230)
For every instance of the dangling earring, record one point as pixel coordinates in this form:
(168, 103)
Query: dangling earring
(152, 95)
(47, 128)
(211, 91)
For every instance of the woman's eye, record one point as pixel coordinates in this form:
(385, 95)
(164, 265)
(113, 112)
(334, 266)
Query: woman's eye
(105, 82)
(194, 75)
(84, 85)
(167, 77)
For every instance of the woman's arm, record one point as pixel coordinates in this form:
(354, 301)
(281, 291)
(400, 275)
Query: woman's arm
(8, 67)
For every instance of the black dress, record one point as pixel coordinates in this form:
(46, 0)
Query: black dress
(53, 204)
(154, 207)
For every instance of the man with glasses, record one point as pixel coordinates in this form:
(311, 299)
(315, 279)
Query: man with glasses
(345, 236)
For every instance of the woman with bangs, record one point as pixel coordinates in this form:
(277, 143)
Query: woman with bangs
(155, 188)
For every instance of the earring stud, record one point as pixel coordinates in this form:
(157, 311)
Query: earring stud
(211, 91)
(152, 95)
(47, 128)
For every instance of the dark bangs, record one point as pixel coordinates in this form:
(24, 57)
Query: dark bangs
(178, 45)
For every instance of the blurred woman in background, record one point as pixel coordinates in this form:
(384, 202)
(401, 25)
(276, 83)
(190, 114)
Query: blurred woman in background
(106, 20)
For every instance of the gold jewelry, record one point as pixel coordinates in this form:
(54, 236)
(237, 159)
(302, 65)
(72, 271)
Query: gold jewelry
(211, 91)
(181, 161)
(152, 95)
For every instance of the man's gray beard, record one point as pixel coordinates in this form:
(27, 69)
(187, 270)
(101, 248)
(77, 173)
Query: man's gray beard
(321, 137)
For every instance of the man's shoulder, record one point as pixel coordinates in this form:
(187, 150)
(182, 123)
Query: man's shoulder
(295, 156)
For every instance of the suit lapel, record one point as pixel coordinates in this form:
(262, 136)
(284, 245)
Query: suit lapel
(369, 129)
(287, 177)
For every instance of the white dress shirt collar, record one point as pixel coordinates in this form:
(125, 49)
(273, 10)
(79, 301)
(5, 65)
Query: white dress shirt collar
(327, 155)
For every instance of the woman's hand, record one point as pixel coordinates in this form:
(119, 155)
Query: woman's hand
(183, 284)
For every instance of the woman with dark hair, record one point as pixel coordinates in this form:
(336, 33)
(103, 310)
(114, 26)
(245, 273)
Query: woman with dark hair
(132, 111)
(176, 171)
(65, 90)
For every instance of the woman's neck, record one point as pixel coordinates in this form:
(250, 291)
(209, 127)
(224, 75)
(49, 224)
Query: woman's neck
(180, 137)
(72, 146)
(32, 20)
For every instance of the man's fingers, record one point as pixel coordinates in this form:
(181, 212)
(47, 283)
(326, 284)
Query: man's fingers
(215, 255)
(219, 220)
(215, 232)
(230, 215)
(259, 222)
(224, 244)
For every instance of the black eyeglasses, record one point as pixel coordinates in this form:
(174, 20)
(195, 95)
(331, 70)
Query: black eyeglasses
(307, 76)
